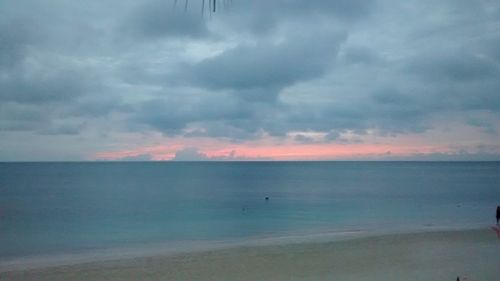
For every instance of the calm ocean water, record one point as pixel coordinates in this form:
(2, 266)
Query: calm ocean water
(52, 208)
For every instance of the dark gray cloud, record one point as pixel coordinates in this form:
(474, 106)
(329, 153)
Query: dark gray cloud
(190, 154)
(172, 115)
(103, 69)
(44, 86)
(361, 55)
(16, 36)
(269, 66)
(158, 19)
(263, 16)
(458, 67)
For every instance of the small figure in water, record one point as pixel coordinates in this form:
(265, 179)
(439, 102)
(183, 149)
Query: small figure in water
(498, 214)
(267, 199)
(458, 278)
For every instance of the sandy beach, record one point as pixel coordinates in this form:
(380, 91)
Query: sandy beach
(443, 255)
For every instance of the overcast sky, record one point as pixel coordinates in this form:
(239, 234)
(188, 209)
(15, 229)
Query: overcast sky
(257, 80)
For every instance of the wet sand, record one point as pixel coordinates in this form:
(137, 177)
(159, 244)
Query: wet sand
(443, 255)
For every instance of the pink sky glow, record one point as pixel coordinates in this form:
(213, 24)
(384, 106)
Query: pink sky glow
(284, 152)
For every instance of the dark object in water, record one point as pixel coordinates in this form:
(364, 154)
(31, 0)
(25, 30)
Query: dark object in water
(267, 198)
(498, 214)
(458, 278)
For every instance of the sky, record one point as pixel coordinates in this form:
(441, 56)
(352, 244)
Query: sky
(139, 80)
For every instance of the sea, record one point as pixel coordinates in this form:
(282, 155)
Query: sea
(60, 208)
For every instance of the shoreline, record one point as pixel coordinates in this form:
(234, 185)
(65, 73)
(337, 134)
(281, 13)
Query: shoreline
(146, 250)
(454, 244)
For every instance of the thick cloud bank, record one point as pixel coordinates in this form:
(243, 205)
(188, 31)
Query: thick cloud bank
(78, 79)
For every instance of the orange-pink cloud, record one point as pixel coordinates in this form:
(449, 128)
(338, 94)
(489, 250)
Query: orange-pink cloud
(155, 152)
(274, 151)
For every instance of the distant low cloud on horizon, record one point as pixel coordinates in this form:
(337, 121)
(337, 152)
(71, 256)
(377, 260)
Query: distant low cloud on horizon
(257, 80)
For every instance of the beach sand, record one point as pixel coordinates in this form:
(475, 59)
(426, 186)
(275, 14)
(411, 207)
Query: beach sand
(444, 255)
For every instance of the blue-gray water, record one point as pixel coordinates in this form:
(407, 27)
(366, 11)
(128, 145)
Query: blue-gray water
(51, 208)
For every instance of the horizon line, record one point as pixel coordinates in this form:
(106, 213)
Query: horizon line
(237, 161)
